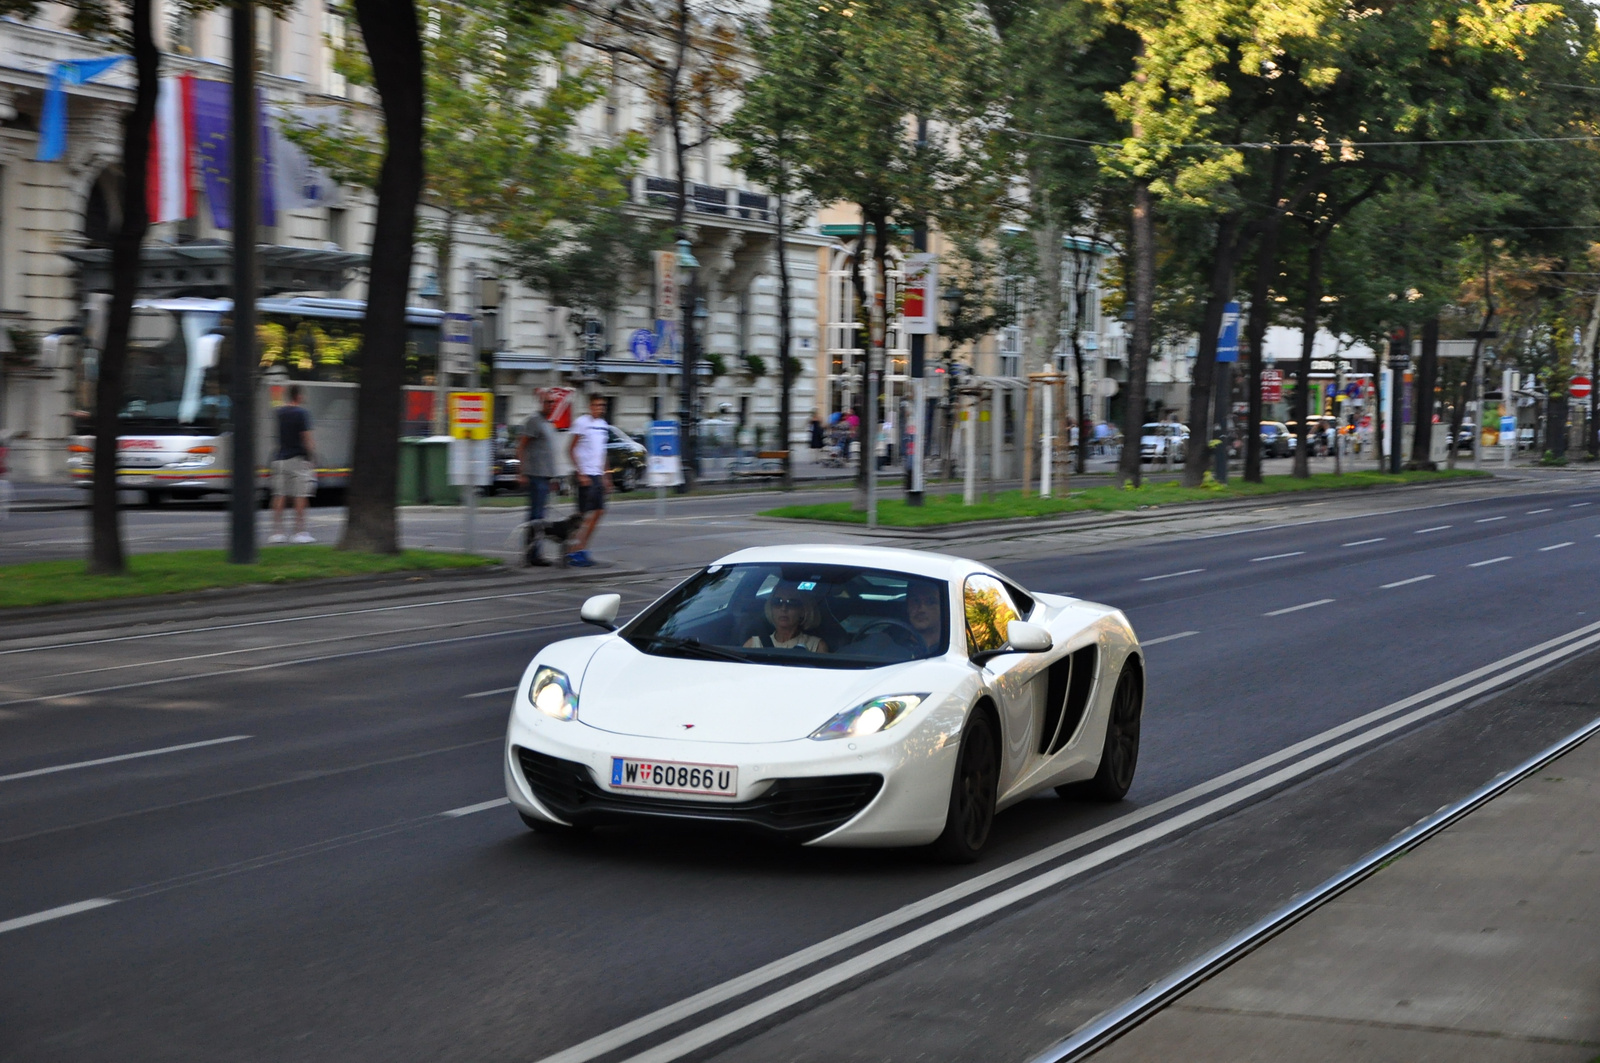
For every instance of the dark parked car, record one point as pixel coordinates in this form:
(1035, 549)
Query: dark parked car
(1276, 442)
(625, 460)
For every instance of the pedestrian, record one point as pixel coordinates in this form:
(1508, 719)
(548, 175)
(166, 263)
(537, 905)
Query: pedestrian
(292, 473)
(590, 434)
(536, 457)
(817, 439)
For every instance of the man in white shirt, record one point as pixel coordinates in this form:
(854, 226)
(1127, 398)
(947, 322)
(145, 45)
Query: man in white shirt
(590, 435)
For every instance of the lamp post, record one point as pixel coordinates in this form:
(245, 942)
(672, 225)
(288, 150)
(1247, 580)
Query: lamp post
(693, 310)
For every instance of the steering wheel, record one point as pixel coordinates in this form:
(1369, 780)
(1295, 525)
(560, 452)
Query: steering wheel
(898, 631)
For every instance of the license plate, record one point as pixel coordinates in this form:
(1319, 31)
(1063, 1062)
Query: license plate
(712, 780)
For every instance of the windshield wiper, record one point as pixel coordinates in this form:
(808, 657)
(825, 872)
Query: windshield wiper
(691, 646)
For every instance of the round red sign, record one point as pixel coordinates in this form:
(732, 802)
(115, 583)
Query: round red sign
(1581, 387)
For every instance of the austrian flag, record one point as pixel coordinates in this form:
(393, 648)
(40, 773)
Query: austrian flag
(170, 194)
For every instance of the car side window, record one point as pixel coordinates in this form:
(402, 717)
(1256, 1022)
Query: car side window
(989, 610)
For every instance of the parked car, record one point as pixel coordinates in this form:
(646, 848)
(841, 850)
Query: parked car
(1276, 442)
(1319, 434)
(1464, 437)
(625, 460)
(1163, 442)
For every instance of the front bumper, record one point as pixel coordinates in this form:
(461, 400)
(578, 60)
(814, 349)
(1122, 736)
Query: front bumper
(893, 790)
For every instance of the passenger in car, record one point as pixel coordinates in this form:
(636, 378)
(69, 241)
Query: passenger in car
(923, 612)
(792, 614)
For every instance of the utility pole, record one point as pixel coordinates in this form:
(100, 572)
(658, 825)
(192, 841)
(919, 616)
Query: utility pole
(242, 394)
(1399, 361)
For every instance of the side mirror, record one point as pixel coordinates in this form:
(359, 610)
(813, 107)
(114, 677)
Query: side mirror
(1021, 637)
(1024, 637)
(601, 611)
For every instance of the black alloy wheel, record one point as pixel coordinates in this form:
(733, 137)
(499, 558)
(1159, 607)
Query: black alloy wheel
(972, 792)
(1119, 756)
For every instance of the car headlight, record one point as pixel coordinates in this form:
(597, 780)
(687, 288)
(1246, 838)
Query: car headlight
(551, 693)
(869, 717)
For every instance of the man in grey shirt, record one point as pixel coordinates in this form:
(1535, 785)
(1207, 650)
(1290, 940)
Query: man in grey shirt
(537, 453)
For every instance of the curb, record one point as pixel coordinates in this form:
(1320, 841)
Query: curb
(1084, 520)
(385, 586)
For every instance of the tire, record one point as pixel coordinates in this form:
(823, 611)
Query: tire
(1119, 756)
(627, 478)
(554, 830)
(973, 791)
(154, 498)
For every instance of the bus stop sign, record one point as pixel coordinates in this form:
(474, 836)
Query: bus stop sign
(471, 414)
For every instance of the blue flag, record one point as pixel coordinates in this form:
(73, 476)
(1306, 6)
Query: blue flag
(53, 122)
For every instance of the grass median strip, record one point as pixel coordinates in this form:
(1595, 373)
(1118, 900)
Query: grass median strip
(948, 509)
(180, 571)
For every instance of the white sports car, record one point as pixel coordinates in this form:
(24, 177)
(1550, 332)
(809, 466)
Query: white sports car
(829, 695)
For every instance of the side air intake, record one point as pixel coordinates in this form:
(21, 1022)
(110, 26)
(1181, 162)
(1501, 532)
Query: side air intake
(1067, 688)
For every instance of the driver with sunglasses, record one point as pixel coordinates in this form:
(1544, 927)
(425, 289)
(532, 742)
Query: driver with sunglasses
(791, 614)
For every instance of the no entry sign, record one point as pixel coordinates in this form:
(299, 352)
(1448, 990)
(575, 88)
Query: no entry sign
(1581, 387)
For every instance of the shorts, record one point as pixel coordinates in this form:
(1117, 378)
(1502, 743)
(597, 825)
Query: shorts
(293, 478)
(592, 498)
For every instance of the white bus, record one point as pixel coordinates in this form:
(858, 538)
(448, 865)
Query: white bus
(175, 438)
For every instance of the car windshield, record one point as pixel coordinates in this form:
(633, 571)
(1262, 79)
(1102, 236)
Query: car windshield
(816, 616)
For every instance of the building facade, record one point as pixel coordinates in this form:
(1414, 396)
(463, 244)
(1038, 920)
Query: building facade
(49, 210)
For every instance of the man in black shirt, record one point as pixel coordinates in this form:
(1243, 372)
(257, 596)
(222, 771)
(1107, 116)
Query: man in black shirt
(292, 472)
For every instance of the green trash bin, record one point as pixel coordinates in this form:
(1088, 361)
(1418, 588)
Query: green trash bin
(433, 472)
(410, 483)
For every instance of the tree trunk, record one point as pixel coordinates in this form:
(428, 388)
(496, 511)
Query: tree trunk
(1591, 343)
(1308, 338)
(394, 46)
(1261, 312)
(1047, 329)
(1469, 385)
(105, 556)
(1129, 467)
(1083, 266)
(877, 349)
(688, 433)
(1198, 460)
(1427, 380)
(785, 341)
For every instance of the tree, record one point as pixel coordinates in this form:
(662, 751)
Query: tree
(132, 25)
(766, 130)
(864, 77)
(685, 55)
(496, 148)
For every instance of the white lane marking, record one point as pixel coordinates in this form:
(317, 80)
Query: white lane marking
(1486, 520)
(1580, 505)
(1297, 608)
(481, 806)
(1404, 582)
(1277, 557)
(279, 620)
(1557, 546)
(243, 669)
(1169, 575)
(1531, 512)
(489, 693)
(1364, 542)
(1439, 527)
(54, 913)
(1491, 561)
(124, 756)
(826, 979)
(1168, 638)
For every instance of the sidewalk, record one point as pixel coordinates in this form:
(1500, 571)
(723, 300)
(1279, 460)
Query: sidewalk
(1481, 945)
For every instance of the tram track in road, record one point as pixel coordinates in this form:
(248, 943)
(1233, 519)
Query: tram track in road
(1172, 815)
(724, 1011)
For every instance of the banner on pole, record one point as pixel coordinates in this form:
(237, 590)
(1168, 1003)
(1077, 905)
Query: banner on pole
(919, 290)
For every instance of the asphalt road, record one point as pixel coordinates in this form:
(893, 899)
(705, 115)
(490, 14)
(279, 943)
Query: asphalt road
(332, 876)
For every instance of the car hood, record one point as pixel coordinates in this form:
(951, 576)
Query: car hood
(629, 692)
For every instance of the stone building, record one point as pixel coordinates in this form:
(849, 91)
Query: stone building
(49, 210)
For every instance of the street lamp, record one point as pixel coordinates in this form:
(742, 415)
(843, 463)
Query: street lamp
(693, 311)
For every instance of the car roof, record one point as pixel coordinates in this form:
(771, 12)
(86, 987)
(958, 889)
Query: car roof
(911, 562)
